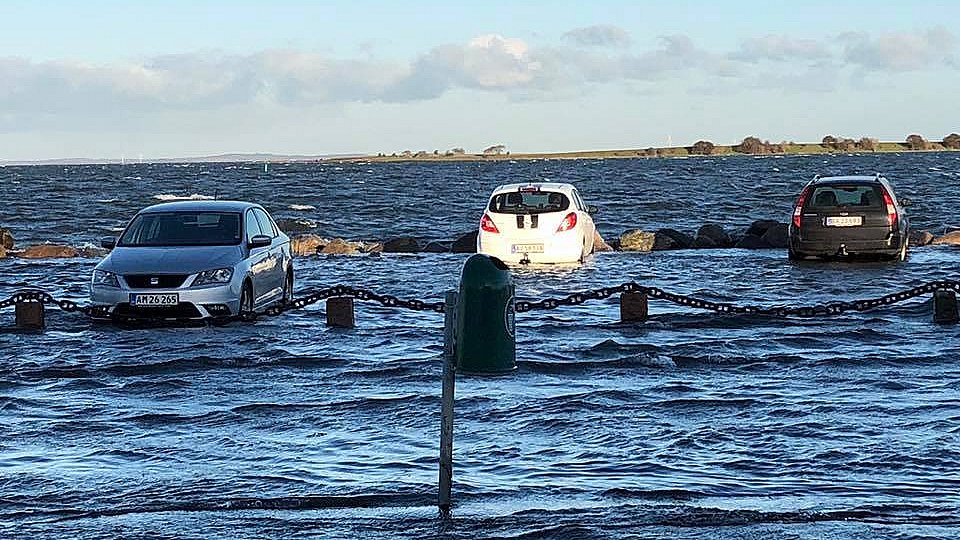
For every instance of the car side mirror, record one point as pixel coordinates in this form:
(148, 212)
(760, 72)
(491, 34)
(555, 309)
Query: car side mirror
(591, 209)
(259, 241)
(905, 202)
(108, 242)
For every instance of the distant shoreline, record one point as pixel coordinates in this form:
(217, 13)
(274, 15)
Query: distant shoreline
(652, 152)
(781, 149)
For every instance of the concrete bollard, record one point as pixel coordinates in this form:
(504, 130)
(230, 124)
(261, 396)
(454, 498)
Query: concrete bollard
(945, 307)
(340, 312)
(633, 307)
(30, 315)
(485, 317)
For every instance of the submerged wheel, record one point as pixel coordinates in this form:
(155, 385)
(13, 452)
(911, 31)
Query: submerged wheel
(288, 288)
(246, 299)
(793, 255)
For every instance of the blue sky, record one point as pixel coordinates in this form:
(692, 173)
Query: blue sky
(178, 78)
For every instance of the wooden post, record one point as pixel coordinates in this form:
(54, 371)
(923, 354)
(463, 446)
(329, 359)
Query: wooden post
(340, 312)
(945, 307)
(446, 400)
(30, 315)
(633, 307)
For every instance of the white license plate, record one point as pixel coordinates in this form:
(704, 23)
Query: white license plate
(844, 221)
(526, 248)
(154, 300)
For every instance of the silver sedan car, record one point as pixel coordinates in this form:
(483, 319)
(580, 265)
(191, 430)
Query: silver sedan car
(194, 260)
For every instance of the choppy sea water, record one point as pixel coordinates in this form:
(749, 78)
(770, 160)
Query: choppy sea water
(691, 425)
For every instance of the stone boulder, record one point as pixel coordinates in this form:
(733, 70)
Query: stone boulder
(712, 235)
(404, 244)
(373, 248)
(6, 238)
(777, 236)
(306, 244)
(599, 245)
(671, 239)
(295, 226)
(637, 240)
(950, 239)
(436, 247)
(465, 243)
(48, 251)
(920, 238)
(339, 246)
(751, 241)
(3, 251)
(759, 228)
(92, 252)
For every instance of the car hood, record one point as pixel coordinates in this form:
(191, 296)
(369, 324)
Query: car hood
(170, 260)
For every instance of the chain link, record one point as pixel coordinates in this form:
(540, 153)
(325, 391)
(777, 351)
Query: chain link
(522, 306)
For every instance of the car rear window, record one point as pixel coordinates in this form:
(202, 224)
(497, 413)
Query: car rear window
(853, 195)
(183, 229)
(529, 202)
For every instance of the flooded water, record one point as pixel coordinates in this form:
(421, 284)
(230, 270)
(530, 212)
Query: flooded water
(691, 425)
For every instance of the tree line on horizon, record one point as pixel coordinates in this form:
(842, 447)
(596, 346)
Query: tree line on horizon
(753, 145)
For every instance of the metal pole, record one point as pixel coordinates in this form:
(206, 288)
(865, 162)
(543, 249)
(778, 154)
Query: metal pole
(446, 400)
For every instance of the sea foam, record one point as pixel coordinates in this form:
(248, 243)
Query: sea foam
(193, 197)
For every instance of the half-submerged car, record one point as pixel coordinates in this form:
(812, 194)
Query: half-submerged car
(194, 260)
(536, 223)
(849, 215)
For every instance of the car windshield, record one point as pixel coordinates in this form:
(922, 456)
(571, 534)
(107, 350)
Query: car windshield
(183, 229)
(529, 202)
(852, 195)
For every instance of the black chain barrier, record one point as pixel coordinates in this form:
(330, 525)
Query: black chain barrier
(826, 309)
(312, 297)
(829, 308)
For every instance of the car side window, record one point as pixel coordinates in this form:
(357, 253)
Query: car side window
(576, 198)
(252, 225)
(265, 225)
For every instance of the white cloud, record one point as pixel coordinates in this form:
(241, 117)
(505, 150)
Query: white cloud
(601, 35)
(58, 93)
(900, 51)
(782, 49)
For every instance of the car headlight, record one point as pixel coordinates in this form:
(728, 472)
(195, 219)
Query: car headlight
(107, 279)
(207, 277)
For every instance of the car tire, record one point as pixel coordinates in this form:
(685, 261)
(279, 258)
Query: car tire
(246, 299)
(793, 255)
(288, 288)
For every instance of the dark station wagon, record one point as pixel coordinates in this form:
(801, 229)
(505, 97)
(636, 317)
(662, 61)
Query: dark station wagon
(838, 216)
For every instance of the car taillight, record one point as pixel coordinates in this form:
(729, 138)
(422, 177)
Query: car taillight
(569, 222)
(799, 208)
(891, 209)
(488, 225)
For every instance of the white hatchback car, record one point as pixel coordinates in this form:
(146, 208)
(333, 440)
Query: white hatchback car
(537, 223)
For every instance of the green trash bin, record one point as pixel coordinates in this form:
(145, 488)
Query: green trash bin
(486, 329)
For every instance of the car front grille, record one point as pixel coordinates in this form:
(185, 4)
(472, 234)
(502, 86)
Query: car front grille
(183, 310)
(155, 281)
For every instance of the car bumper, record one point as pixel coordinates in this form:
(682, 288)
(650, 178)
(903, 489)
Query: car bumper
(829, 248)
(558, 250)
(195, 303)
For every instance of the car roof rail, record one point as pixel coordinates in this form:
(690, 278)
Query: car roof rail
(816, 177)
